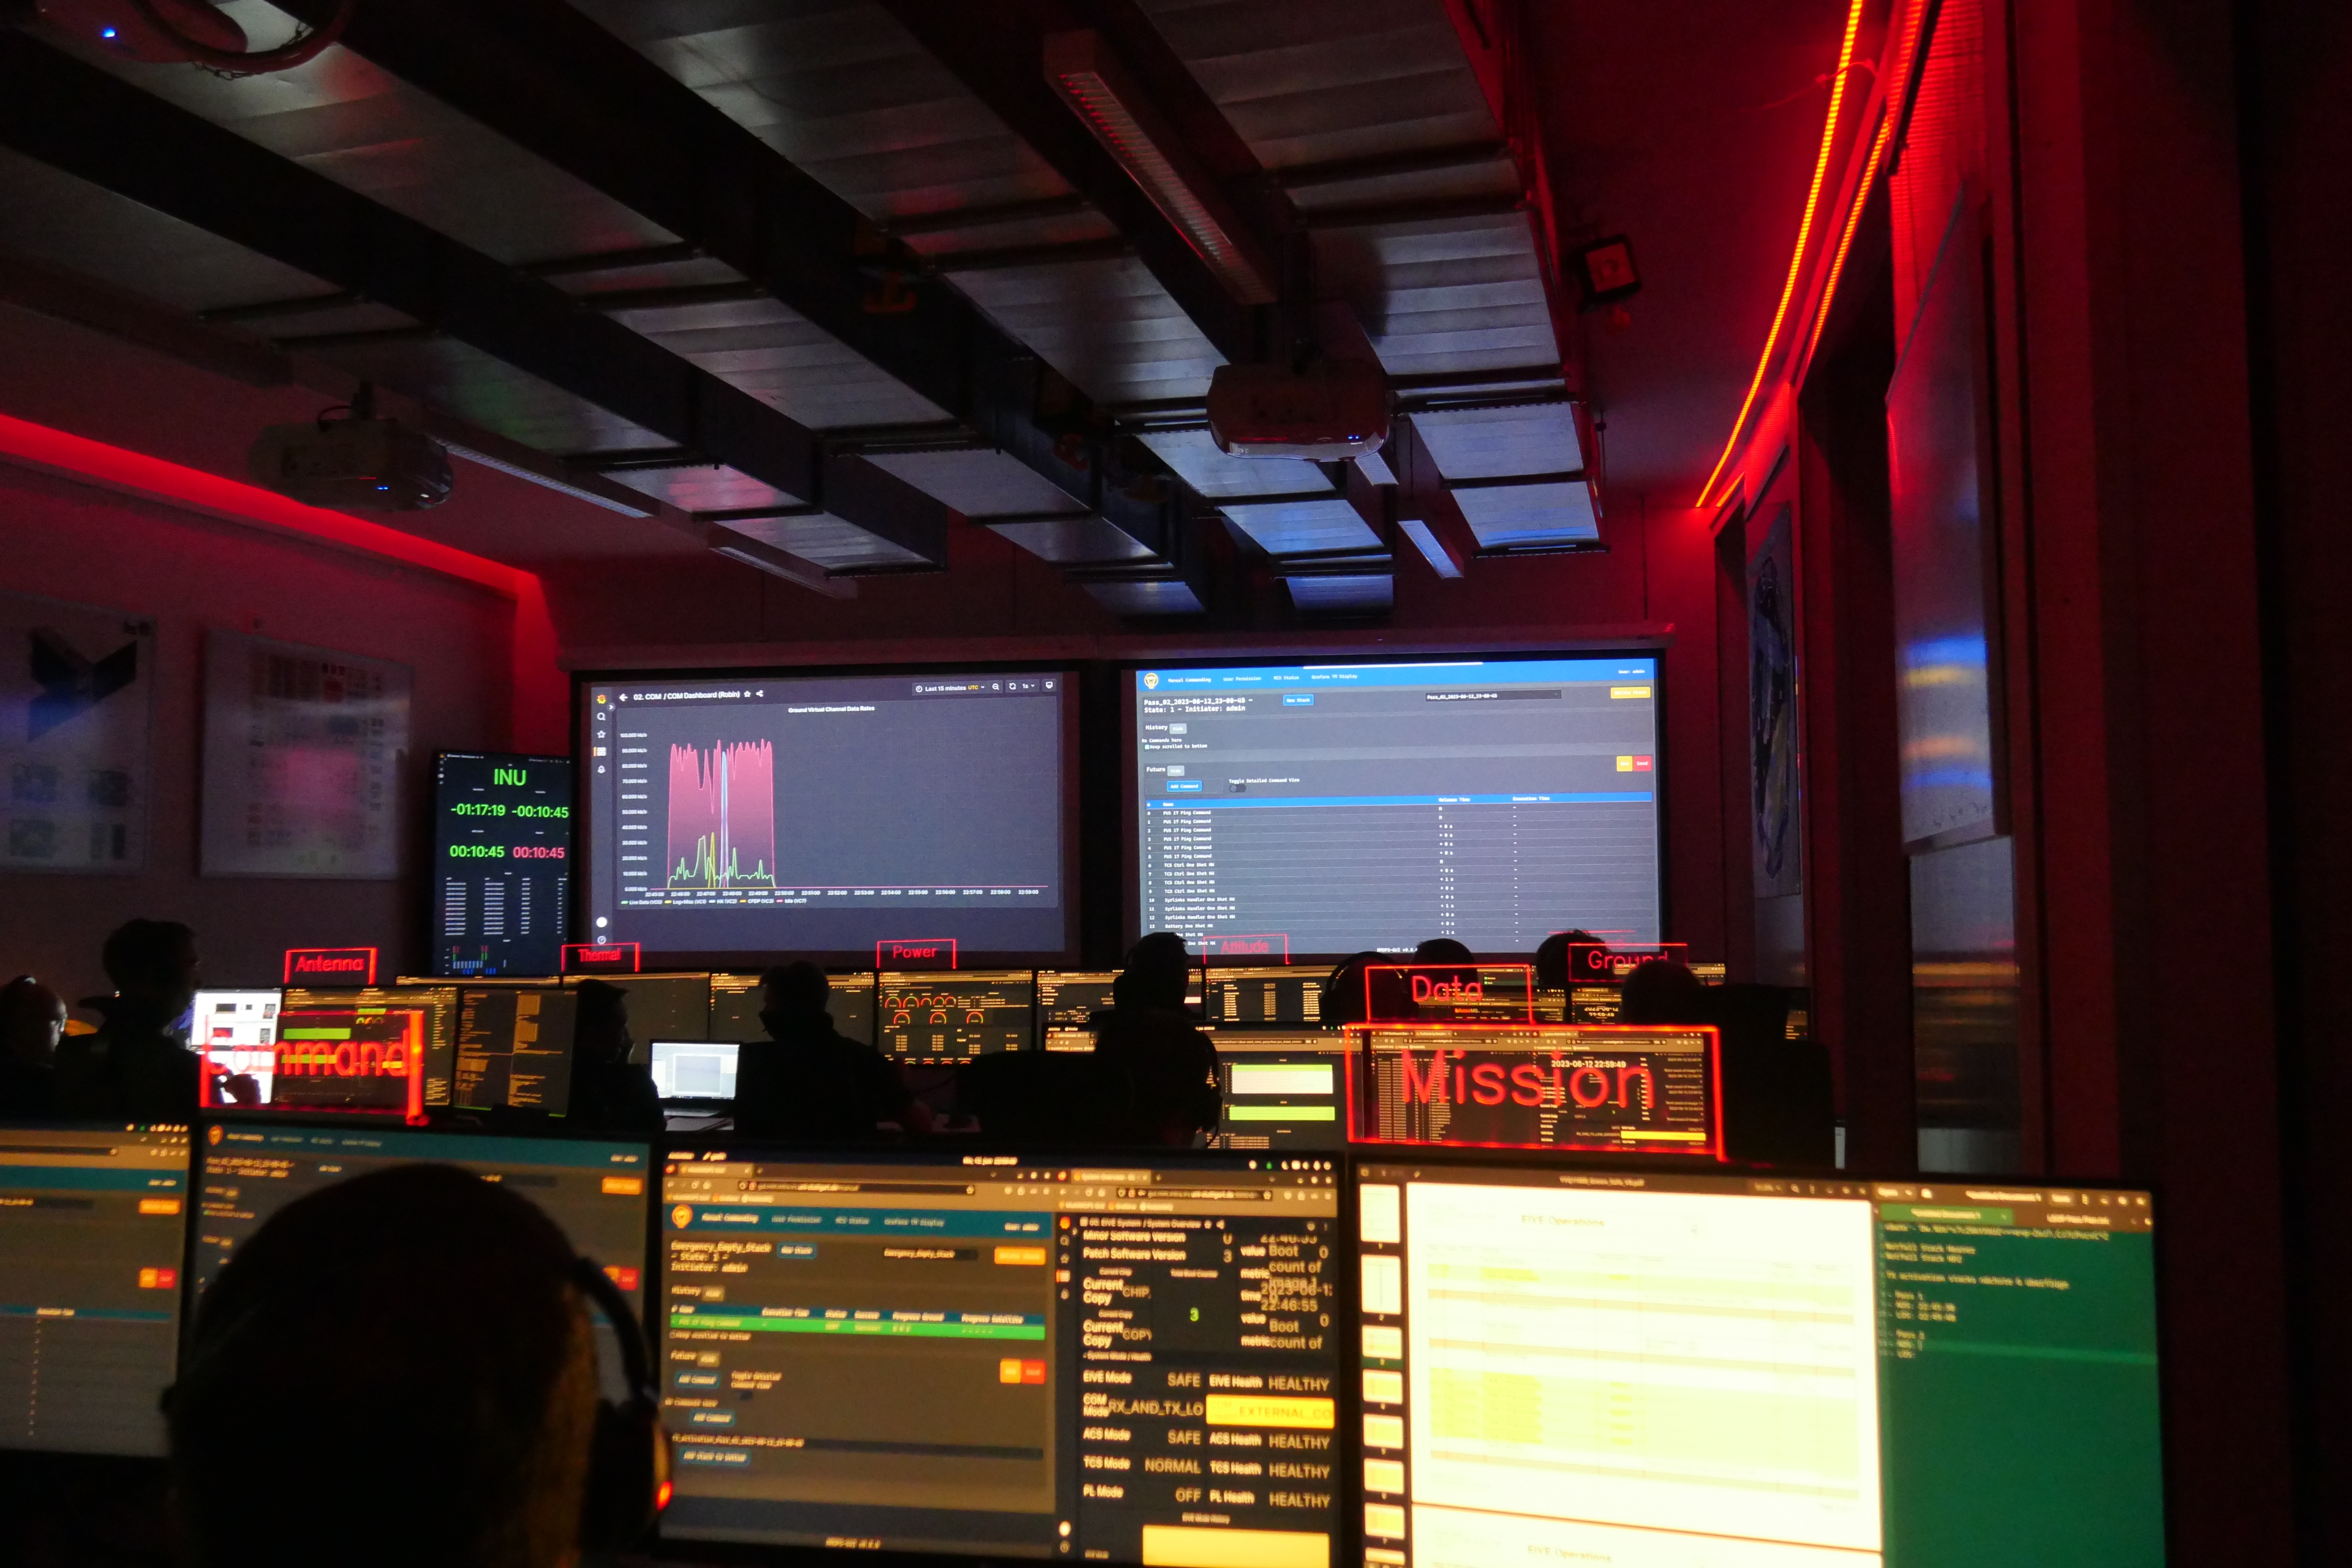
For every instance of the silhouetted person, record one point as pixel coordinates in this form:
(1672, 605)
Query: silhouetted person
(609, 1092)
(1343, 991)
(135, 1067)
(1552, 960)
(1170, 1067)
(394, 1371)
(1445, 949)
(32, 1022)
(1660, 991)
(808, 1083)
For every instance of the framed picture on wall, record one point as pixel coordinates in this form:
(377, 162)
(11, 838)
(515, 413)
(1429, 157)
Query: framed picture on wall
(1773, 774)
(77, 710)
(304, 748)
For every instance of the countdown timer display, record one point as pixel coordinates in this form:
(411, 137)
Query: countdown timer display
(502, 856)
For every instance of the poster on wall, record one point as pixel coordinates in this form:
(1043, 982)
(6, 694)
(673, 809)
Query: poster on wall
(1773, 713)
(303, 753)
(77, 704)
(1944, 555)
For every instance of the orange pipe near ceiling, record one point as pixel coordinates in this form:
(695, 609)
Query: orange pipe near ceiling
(1796, 261)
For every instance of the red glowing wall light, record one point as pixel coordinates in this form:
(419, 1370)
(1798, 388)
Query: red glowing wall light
(329, 967)
(600, 958)
(1796, 261)
(1083, 69)
(76, 457)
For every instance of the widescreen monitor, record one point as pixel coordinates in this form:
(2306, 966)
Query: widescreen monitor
(733, 817)
(501, 863)
(1319, 810)
(515, 1048)
(1643, 1369)
(694, 1072)
(1277, 996)
(1283, 1089)
(1136, 1360)
(92, 1225)
(939, 1017)
(595, 1191)
(736, 1001)
(660, 1007)
(320, 1020)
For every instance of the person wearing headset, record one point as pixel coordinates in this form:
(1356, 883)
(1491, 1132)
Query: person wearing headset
(399, 1370)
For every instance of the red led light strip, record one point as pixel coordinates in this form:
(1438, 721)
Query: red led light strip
(1796, 261)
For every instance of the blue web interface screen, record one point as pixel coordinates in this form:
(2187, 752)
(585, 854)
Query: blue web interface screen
(1323, 809)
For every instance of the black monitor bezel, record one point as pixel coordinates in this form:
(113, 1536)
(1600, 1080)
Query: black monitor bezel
(1067, 672)
(1130, 914)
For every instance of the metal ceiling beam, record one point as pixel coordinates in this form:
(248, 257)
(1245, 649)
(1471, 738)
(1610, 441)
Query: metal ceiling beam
(547, 78)
(997, 50)
(92, 125)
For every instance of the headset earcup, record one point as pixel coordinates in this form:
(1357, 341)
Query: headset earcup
(626, 1468)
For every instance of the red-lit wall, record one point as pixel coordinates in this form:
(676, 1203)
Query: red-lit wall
(191, 573)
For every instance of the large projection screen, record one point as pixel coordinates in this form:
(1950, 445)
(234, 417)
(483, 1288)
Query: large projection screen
(1316, 810)
(736, 819)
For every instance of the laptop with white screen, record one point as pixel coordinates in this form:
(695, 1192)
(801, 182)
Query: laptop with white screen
(693, 1071)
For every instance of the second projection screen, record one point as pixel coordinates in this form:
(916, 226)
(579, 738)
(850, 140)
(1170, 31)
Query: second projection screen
(1319, 810)
(750, 815)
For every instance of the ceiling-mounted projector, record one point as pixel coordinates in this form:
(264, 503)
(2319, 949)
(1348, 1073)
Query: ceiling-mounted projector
(362, 463)
(1329, 409)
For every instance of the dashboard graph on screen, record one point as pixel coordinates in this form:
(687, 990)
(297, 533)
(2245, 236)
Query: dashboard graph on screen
(733, 818)
(722, 816)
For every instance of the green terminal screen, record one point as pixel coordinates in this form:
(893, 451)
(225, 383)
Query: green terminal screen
(2018, 1379)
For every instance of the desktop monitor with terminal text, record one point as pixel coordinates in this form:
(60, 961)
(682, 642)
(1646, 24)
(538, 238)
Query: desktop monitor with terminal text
(1067, 1000)
(1653, 1090)
(515, 1048)
(92, 1225)
(1135, 1360)
(660, 1007)
(1566, 1365)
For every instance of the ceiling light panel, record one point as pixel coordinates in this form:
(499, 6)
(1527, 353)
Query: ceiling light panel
(1505, 517)
(1496, 443)
(1303, 526)
(1082, 69)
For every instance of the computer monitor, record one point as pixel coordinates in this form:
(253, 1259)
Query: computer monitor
(732, 816)
(502, 863)
(1317, 810)
(92, 1222)
(362, 1013)
(1067, 1000)
(595, 1191)
(661, 1007)
(694, 1072)
(938, 1017)
(1282, 1090)
(736, 1001)
(1136, 1360)
(515, 1048)
(1653, 1090)
(1571, 1366)
(235, 1033)
(1278, 996)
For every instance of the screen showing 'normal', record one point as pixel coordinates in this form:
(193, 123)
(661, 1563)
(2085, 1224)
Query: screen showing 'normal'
(743, 816)
(1325, 809)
